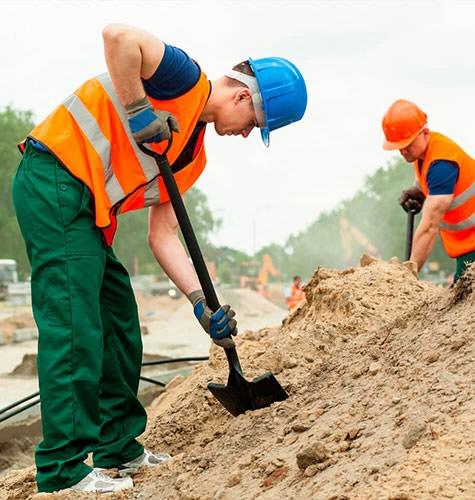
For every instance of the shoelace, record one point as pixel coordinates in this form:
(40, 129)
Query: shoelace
(101, 476)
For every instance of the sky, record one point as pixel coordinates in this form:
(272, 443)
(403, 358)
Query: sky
(357, 57)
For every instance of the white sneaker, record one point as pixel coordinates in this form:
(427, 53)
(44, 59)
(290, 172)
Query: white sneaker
(100, 483)
(147, 459)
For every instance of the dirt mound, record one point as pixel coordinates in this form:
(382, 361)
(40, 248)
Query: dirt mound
(27, 367)
(379, 368)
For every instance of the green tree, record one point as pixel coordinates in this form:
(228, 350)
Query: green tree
(14, 126)
(131, 243)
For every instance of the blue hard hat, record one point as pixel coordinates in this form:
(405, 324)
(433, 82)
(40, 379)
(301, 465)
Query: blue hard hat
(283, 93)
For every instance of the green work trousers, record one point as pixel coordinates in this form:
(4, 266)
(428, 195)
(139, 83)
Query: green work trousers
(462, 263)
(89, 347)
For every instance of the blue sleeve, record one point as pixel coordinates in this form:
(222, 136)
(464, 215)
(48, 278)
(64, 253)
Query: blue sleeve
(441, 177)
(176, 74)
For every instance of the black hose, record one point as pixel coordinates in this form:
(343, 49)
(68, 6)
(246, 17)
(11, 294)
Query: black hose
(19, 410)
(153, 381)
(9, 407)
(175, 360)
(146, 379)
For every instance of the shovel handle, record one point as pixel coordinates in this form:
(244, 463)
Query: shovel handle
(190, 240)
(409, 232)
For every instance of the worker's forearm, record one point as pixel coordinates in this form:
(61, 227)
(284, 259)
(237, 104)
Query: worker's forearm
(423, 243)
(124, 62)
(170, 254)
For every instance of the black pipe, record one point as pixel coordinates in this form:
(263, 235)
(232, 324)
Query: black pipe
(153, 381)
(146, 379)
(19, 410)
(9, 407)
(175, 360)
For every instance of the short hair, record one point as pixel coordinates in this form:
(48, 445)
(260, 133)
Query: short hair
(297, 278)
(242, 67)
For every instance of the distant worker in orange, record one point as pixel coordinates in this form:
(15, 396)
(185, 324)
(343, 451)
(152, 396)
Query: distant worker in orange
(296, 293)
(445, 185)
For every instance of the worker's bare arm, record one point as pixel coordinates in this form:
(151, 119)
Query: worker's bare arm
(130, 54)
(168, 249)
(425, 235)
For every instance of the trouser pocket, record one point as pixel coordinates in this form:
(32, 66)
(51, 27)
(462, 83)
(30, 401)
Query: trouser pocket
(70, 194)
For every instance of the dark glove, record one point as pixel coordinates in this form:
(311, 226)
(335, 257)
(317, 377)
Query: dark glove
(220, 325)
(412, 199)
(148, 124)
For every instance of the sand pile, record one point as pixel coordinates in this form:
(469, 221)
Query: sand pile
(380, 372)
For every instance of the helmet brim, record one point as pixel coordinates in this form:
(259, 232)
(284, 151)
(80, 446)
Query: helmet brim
(265, 133)
(393, 146)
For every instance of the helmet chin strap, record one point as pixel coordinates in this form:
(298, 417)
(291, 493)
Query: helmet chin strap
(251, 82)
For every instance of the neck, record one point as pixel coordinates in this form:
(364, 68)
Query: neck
(210, 110)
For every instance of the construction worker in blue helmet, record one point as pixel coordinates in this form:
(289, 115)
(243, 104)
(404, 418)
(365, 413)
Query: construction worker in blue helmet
(81, 168)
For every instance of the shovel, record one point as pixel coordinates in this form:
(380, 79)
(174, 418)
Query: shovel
(239, 395)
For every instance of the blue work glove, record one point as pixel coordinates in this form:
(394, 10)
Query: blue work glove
(220, 325)
(148, 124)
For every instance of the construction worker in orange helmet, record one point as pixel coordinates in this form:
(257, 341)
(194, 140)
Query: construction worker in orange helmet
(444, 189)
(82, 167)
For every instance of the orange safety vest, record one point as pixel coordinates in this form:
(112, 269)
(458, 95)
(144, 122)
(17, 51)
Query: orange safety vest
(90, 135)
(296, 296)
(457, 228)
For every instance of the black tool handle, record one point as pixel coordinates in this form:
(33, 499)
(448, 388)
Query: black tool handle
(190, 240)
(409, 232)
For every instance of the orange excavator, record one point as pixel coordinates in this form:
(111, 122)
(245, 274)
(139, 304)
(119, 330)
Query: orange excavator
(348, 234)
(255, 275)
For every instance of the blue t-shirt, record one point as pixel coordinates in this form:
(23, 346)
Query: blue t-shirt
(176, 74)
(441, 177)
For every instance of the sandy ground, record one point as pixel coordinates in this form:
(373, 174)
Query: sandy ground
(380, 372)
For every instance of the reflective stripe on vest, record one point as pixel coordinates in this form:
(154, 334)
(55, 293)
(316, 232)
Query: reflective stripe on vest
(100, 143)
(88, 124)
(149, 165)
(463, 197)
(457, 227)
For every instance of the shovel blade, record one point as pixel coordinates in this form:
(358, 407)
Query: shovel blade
(240, 395)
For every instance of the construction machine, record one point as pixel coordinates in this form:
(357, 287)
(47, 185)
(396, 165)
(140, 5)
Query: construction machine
(255, 275)
(348, 234)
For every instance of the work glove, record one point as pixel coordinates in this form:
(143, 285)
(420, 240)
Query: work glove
(220, 325)
(148, 124)
(412, 199)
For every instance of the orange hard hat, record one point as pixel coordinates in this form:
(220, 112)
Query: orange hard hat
(402, 123)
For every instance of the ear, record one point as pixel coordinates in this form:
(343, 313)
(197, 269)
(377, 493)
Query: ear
(242, 95)
(426, 135)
